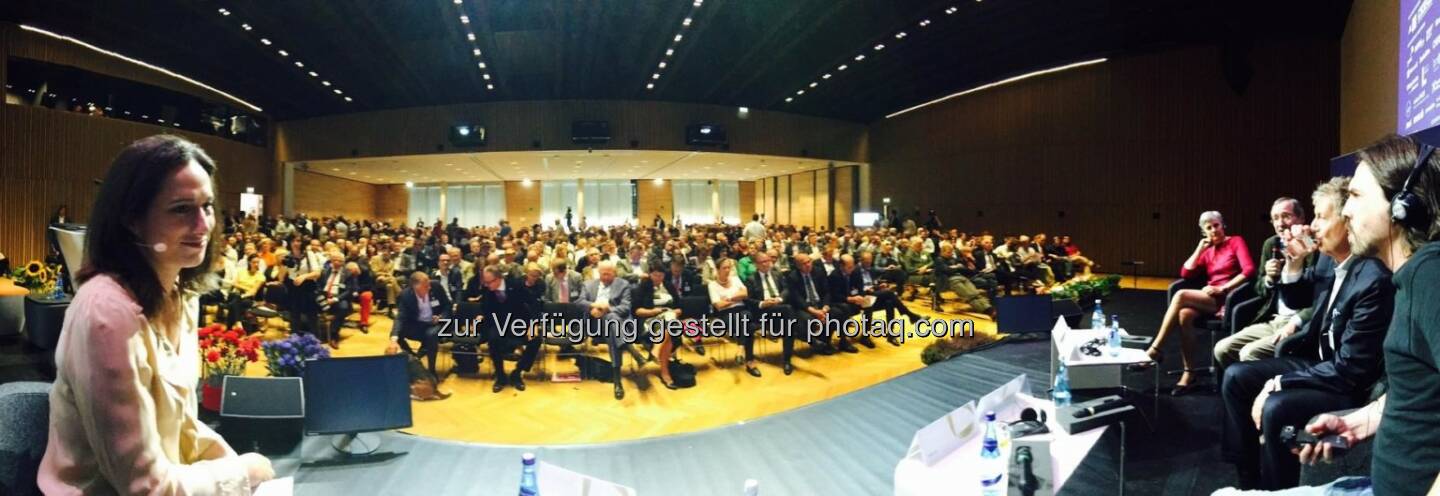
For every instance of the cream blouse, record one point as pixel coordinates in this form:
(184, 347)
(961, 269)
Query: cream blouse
(123, 409)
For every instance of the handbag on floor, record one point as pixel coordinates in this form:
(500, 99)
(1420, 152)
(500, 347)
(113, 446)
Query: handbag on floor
(682, 374)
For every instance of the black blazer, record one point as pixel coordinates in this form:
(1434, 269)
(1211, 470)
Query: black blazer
(643, 294)
(952, 266)
(756, 288)
(796, 283)
(455, 281)
(842, 286)
(517, 307)
(690, 284)
(345, 288)
(408, 308)
(1355, 323)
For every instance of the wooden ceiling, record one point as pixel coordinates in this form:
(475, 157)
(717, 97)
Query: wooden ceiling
(755, 53)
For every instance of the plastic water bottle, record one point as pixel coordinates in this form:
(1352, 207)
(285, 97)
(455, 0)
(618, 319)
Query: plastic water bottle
(1114, 343)
(1061, 393)
(59, 292)
(1097, 317)
(992, 466)
(529, 486)
(752, 487)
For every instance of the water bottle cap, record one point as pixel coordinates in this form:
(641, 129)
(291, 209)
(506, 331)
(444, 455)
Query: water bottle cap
(989, 416)
(528, 458)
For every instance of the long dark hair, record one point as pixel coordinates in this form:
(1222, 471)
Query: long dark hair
(130, 187)
(1391, 159)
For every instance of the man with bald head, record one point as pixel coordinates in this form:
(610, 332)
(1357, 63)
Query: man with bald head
(608, 299)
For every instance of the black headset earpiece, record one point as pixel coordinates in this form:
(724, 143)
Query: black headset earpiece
(1406, 208)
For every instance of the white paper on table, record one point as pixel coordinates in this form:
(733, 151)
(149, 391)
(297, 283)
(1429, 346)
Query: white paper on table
(284, 486)
(936, 440)
(1059, 331)
(996, 400)
(555, 480)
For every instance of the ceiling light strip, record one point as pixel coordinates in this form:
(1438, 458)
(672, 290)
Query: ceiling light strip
(474, 45)
(283, 54)
(685, 24)
(141, 63)
(1001, 82)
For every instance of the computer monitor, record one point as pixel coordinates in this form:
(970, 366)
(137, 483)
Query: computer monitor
(357, 394)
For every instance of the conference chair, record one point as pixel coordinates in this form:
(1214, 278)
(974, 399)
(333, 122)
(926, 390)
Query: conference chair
(1225, 323)
(25, 406)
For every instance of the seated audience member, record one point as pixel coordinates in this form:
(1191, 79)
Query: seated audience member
(122, 409)
(383, 266)
(449, 277)
(1328, 366)
(1032, 260)
(1406, 455)
(918, 267)
(608, 299)
(363, 293)
(1072, 251)
(691, 294)
(811, 305)
(337, 289)
(247, 288)
(952, 273)
(993, 269)
(655, 303)
(420, 312)
(1055, 257)
(727, 296)
(563, 286)
(1275, 320)
(871, 284)
(768, 303)
(1224, 262)
(508, 310)
(845, 302)
(534, 282)
(887, 264)
(1010, 269)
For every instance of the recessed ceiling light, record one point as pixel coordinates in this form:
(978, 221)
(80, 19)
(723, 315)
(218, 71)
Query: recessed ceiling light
(513, 163)
(879, 47)
(470, 36)
(814, 84)
(842, 67)
(900, 35)
(411, 184)
(825, 76)
(489, 86)
(655, 76)
(669, 52)
(299, 64)
(649, 86)
(698, 2)
(457, 2)
(246, 27)
(859, 57)
(325, 83)
(338, 92)
(313, 74)
(224, 12)
(475, 51)
(950, 10)
(464, 19)
(662, 64)
(336, 169)
(924, 23)
(284, 53)
(800, 92)
(347, 99)
(686, 22)
(679, 37)
(486, 76)
(481, 65)
(788, 99)
(265, 41)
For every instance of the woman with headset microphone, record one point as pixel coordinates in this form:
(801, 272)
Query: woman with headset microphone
(123, 406)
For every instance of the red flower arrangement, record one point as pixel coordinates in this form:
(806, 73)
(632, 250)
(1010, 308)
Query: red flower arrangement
(225, 352)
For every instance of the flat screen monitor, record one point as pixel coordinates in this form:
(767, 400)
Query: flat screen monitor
(357, 394)
(865, 219)
(1419, 72)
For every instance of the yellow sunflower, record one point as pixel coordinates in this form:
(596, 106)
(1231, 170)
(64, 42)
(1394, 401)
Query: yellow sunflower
(35, 270)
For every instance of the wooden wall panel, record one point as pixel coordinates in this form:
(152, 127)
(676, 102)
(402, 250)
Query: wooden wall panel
(821, 201)
(50, 157)
(761, 193)
(522, 203)
(392, 203)
(654, 199)
(515, 125)
(802, 199)
(843, 195)
(782, 200)
(747, 201)
(1368, 73)
(1123, 155)
(319, 195)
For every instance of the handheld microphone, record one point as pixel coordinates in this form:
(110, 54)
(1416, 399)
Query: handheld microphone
(158, 247)
(1098, 409)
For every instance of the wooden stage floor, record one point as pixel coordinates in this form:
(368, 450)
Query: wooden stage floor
(550, 413)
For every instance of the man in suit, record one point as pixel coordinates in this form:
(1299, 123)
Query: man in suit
(337, 288)
(692, 297)
(608, 299)
(768, 297)
(449, 277)
(810, 305)
(1329, 365)
(1257, 340)
(872, 284)
(422, 308)
(563, 288)
(846, 300)
(506, 308)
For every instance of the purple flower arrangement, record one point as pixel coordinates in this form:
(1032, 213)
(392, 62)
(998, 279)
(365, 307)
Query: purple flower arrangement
(287, 357)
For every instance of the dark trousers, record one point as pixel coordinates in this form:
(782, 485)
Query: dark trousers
(889, 302)
(1277, 467)
(338, 312)
(737, 315)
(987, 282)
(429, 338)
(774, 320)
(499, 347)
(236, 308)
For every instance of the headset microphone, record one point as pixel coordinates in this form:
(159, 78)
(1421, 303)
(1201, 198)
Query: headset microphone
(158, 247)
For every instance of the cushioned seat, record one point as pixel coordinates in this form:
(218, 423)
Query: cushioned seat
(25, 406)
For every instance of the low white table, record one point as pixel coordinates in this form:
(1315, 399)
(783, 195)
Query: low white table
(954, 474)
